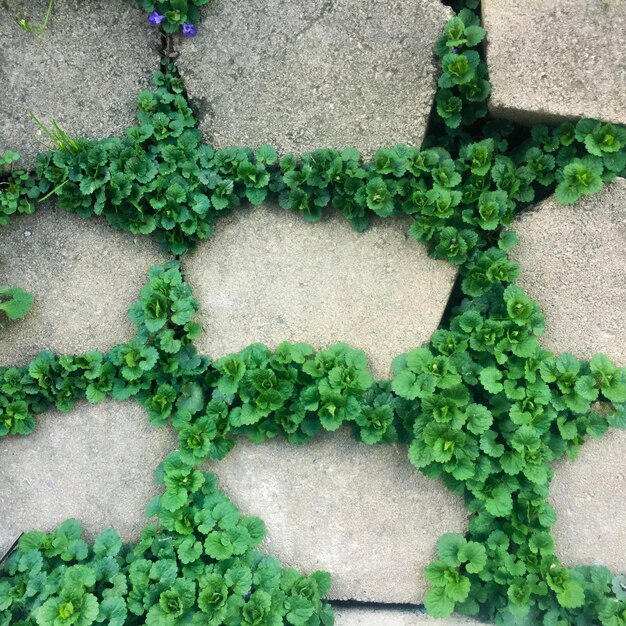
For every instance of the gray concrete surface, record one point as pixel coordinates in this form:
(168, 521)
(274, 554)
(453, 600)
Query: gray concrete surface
(550, 61)
(589, 495)
(84, 277)
(364, 514)
(269, 276)
(573, 259)
(85, 73)
(95, 464)
(321, 73)
(394, 617)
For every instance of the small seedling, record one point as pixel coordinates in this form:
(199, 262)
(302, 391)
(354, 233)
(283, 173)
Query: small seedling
(60, 139)
(34, 29)
(14, 302)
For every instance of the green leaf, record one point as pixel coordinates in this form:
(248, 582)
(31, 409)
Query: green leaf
(189, 550)
(15, 302)
(266, 155)
(474, 556)
(500, 504)
(618, 586)
(449, 548)
(113, 612)
(479, 418)
(107, 543)
(6, 597)
(617, 419)
(489, 445)
(174, 499)
(410, 386)
(512, 463)
(586, 387)
(490, 378)
(239, 579)
(218, 547)
(572, 595)
(458, 588)
(191, 398)
(507, 240)
(299, 610)
(420, 454)
(437, 602)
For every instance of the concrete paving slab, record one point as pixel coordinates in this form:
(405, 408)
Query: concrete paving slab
(84, 277)
(394, 617)
(315, 74)
(550, 61)
(362, 513)
(589, 495)
(573, 259)
(95, 464)
(85, 73)
(267, 275)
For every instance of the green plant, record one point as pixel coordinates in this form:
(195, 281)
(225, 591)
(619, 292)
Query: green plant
(36, 30)
(15, 302)
(17, 188)
(160, 179)
(174, 15)
(196, 565)
(483, 405)
(292, 391)
(464, 86)
(59, 138)
(490, 411)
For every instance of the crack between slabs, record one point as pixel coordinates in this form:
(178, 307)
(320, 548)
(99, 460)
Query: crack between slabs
(417, 609)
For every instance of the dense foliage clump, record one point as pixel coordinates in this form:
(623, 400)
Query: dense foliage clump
(15, 188)
(197, 565)
(483, 406)
(174, 16)
(161, 179)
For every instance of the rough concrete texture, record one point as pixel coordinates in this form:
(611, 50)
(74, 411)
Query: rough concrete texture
(362, 513)
(589, 495)
(394, 617)
(550, 61)
(269, 276)
(95, 464)
(573, 259)
(84, 277)
(85, 72)
(315, 74)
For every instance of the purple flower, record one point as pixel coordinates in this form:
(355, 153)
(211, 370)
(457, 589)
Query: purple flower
(454, 50)
(189, 30)
(156, 18)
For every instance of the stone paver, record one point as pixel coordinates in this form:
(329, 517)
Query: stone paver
(94, 58)
(573, 259)
(84, 277)
(95, 464)
(362, 513)
(589, 495)
(550, 61)
(321, 73)
(268, 276)
(394, 617)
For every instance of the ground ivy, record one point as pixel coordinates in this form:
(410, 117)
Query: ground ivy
(483, 406)
(174, 16)
(198, 565)
(15, 193)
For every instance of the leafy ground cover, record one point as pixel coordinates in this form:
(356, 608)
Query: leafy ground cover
(174, 15)
(483, 405)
